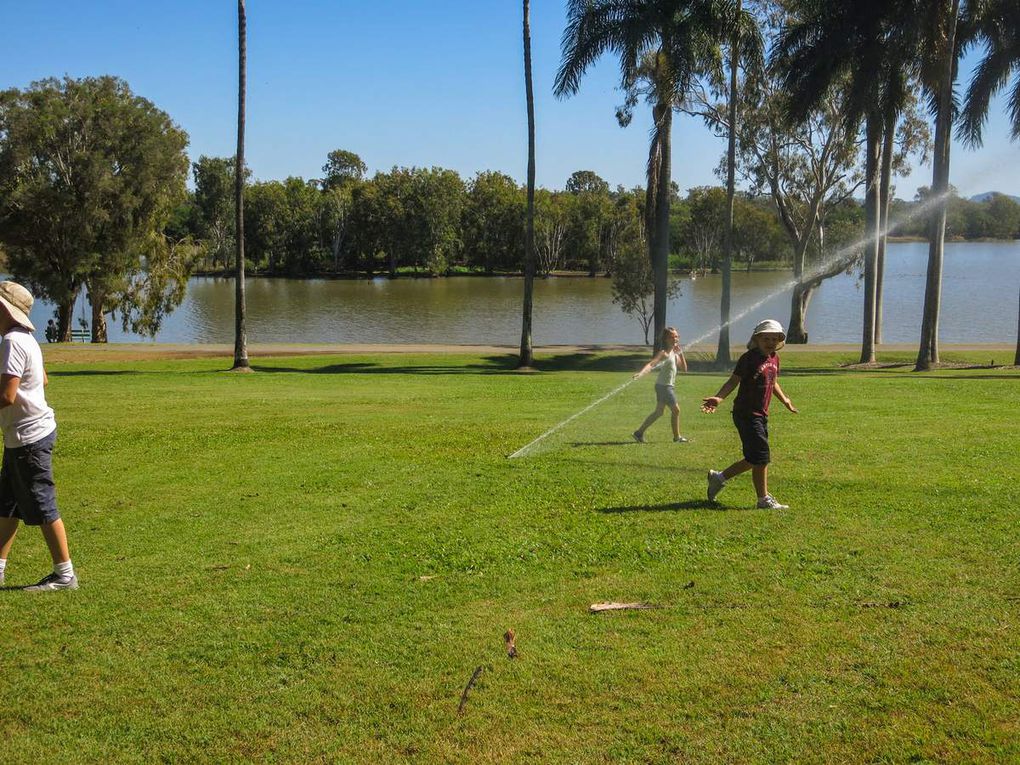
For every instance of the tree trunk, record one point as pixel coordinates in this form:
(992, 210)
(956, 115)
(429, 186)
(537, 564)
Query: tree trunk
(1016, 358)
(797, 331)
(722, 354)
(240, 338)
(872, 212)
(526, 357)
(885, 194)
(928, 353)
(98, 317)
(659, 177)
(65, 315)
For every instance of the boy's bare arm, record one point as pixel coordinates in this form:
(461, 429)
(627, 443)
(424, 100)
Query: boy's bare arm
(709, 404)
(784, 398)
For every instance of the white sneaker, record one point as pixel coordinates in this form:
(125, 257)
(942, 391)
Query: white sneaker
(681, 440)
(52, 582)
(768, 502)
(716, 482)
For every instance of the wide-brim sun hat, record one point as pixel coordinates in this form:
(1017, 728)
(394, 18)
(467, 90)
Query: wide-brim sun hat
(18, 302)
(769, 326)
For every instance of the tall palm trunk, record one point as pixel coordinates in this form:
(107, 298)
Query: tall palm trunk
(885, 195)
(240, 340)
(529, 230)
(872, 214)
(928, 353)
(722, 355)
(1016, 358)
(658, 212)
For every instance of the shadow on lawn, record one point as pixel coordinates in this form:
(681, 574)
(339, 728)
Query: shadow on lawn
(92, 373)
(505, 364)
(691, 504)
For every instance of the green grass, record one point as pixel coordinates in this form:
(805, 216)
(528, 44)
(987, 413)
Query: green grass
(306, 565)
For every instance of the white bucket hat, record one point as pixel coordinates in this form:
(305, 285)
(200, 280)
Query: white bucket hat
(770, 326)
(18, 302)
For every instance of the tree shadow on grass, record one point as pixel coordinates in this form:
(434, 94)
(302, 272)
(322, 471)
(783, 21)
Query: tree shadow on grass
(92, 373)
(691, 504)
(360, 367)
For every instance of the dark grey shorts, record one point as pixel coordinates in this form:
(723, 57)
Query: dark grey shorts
(664, 394)
(26, 483)
(754, 437)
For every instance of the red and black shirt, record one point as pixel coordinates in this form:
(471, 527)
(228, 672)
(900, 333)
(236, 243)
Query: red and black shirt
(757, 373)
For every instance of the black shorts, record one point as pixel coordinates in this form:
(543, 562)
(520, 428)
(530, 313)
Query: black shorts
(754, 437)
(26, 483)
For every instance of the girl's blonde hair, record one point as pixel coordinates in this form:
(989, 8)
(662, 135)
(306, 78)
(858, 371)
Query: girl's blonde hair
(665, 340)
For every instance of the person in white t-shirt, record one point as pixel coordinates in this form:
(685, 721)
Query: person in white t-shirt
(27, 491)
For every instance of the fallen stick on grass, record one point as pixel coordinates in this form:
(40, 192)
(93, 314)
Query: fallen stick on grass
(464, 695)
(598, 607)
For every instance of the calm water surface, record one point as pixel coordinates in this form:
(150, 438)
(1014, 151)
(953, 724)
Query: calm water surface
(979, 304)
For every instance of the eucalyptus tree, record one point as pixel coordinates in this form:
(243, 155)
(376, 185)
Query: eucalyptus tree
(664, 47)
(90, 175)
(240, 338)
(526, 356)
(997, 26)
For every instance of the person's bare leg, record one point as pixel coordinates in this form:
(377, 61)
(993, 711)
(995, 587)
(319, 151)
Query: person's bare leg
(676, 420)
(651, 418)
(760, 476)
(742, 466)
(8, 528)
(56, 540)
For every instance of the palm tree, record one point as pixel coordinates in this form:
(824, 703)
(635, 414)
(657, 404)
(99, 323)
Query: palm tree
(664, 46)
(746, 42)
(865, 50)
(997, 25)
(240, 341)
(529, 231)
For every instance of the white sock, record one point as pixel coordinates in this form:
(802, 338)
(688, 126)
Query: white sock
(64, 570)
(3, 564)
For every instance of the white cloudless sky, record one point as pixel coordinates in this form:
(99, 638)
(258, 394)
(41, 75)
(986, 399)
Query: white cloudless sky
(399, 82)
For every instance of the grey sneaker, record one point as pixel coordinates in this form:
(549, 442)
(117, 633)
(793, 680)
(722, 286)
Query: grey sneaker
(638, 436)
(768, 502)
(681, 440)
(716, 483)
(54, 582)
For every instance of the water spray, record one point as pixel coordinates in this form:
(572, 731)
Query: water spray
(840, 254)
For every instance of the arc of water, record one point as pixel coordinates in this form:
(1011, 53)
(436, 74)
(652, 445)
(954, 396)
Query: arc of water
(836, 257)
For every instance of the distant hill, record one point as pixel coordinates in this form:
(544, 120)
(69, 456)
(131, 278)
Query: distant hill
(988, 195)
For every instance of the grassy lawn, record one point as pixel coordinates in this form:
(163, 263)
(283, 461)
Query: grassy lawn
(308, 563)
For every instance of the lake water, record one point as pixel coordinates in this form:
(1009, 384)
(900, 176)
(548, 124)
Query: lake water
(979, 305)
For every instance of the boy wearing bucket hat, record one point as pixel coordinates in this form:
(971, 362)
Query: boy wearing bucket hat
(30, 430)
(756, 375)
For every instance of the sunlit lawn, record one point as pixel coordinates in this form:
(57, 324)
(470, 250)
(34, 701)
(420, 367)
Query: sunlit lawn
(308, 563)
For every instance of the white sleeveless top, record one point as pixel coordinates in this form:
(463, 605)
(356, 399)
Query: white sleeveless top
(667, 370)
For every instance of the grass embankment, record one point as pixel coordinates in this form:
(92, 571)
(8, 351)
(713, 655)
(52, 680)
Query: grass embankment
(307, 564)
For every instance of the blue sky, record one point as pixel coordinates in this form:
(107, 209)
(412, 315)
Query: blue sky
(399, 82)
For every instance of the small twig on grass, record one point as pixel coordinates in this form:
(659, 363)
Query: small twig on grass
(511, 646)
(468, 687)
(599, 607)
(890, 604)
